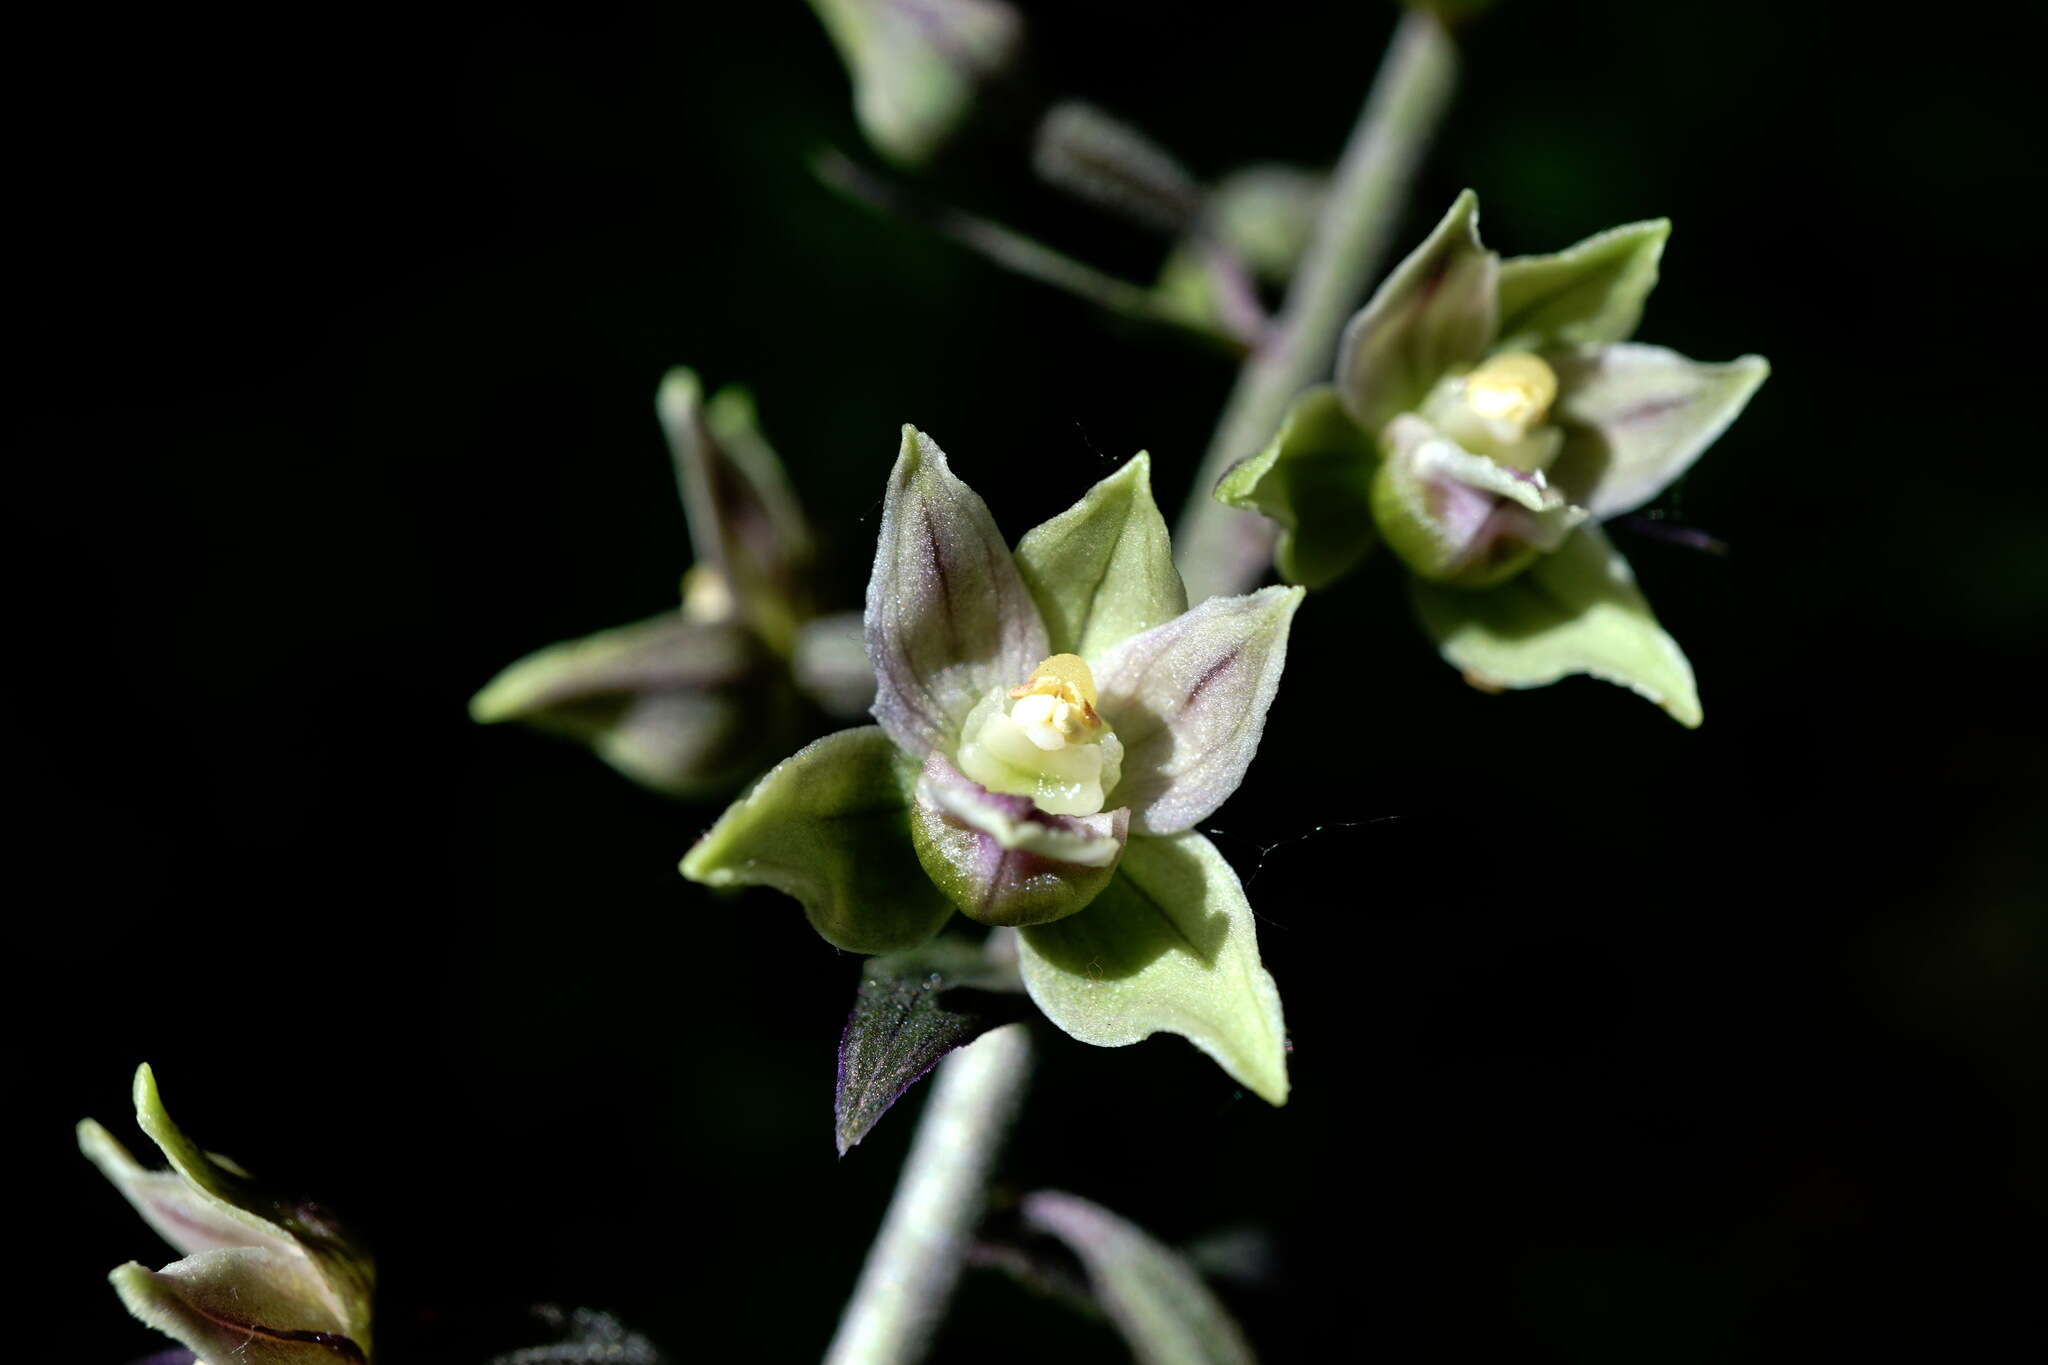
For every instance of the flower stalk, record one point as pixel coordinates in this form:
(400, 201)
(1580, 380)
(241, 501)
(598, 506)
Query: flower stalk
(1224, 550)
(917, 1257)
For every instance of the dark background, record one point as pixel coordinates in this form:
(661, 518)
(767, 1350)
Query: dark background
(338, 335)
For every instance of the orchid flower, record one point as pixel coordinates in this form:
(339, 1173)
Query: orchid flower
(1051, 726)
(1487, 416)
(263, 1280)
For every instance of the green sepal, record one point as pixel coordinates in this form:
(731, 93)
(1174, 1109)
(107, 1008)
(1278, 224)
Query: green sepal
(917, 65)
(913, 1008)
(830, 826)
(1169, 946)
(680, 706)
(1315, 480)
(1102, 570)
(1437, 311)
(1588, 293)
(1157, 1300)
(1577, 610)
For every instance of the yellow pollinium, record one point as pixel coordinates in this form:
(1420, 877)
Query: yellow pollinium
(1056, 707)
(1512, 392)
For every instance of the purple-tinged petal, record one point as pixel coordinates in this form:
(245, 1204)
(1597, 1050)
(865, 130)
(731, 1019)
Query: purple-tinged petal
(1002, 860)
(1188, 699)
(1636, 417)
(243, 1304)
(948, 618)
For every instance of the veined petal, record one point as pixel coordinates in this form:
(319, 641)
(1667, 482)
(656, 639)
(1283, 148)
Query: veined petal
(1102, 570)
(831, 827)
(242, 1304)
(1188, 699)
(948, 617)
(1315, 479)
(1169, 946)
(1002, 860)
(1636, 417)
(1592, 291)
(1577, 610)
(1437, 311)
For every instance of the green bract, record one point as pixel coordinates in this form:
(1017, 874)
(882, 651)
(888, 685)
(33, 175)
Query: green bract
(264, 1280)
(1486, 415)
(1111, 718)
(694, 700)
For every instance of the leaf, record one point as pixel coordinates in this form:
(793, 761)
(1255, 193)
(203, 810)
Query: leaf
(1636, 417)
(1435, 312)
(1315, 480)
(248, 1305)
(1157, 1300)
(1590, 292)
(1000, 859)
(679, 706)
(1575, 611)
(913, 1008)
(745, 523)
(830, 826)
(1102, 571)
(1189, 699)
(948, 619)
(1168, 946)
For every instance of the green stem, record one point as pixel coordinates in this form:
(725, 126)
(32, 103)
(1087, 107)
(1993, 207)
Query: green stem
(1224, 550)
(917, 1257)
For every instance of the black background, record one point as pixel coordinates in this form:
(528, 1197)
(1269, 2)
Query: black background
(338, 334)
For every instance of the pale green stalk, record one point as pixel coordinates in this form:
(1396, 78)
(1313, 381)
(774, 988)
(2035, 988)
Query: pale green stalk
(1223, 550)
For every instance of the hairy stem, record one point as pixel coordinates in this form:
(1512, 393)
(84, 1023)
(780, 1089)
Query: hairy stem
(1221, 549)
(917, 1257)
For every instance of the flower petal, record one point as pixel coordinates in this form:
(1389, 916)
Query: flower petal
(1592, 291)
(1188, 700)
(1577, 610)
(1002, 860)
(1636, 417)
(948, 618)
(1168, 946)
(1459, 518)
(1102, 570)
(830, 826)
(1315, 479)
(1436, 311)
(244, 1304)
(745, 522)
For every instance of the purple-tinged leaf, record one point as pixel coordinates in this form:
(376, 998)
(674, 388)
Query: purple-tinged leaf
(1167, 1315)
(913, 1008)
(1002, 860)
(1189, 699)
(948, 618)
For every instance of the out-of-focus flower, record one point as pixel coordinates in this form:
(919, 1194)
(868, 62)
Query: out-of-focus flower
(918, 65)
(1487, 415)
(1052, 724)
(698, 699)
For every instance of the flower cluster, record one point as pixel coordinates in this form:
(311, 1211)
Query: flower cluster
(1051, 725)
(1487, 415)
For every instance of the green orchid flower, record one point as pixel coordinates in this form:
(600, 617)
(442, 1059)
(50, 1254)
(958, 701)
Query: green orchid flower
(263, 1280)
(1487, 416)
(1051, 725)
(695, 700)
(918, 66)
